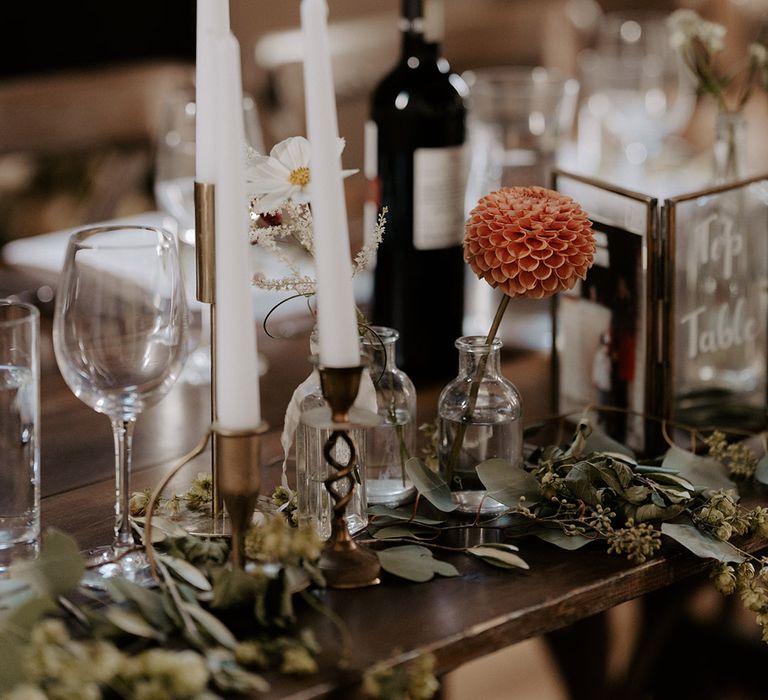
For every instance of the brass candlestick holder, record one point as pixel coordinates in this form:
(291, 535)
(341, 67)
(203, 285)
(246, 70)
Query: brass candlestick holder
(240, 479)
(205, 258)
(239, 461)
(344, 563)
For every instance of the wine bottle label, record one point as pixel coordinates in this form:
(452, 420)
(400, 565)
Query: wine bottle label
(439, 181)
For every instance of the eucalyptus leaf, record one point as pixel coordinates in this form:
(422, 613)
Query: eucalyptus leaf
(430, 485)
(15, 626)
(560, 539)
(414, 563)
(579, 440)
(673, 479)
(56, 571)
(650, 511)
(701, 543)
(397, 531)
(211, 624)
(508, 483)
(14, 593)
(188, 572)
(132, 623)
(579, 483)
(397, 514)
(598, 441)
(702, 472)
(164, 525)
(761, 473)
(502, 558)
(637, 494)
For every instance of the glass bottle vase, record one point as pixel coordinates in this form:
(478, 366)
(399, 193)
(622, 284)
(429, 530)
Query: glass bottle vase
(315, 506)
(392, 442)
(480, 418)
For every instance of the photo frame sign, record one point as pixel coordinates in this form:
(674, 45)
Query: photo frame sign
(604, 336)
(671, 322)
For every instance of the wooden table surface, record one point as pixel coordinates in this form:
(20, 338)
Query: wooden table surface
(458, 619)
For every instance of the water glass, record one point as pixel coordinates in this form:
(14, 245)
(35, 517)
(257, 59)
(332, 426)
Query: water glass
(19, 436)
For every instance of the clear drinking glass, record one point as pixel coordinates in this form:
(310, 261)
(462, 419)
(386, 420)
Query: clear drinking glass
(119, 335)
(392, 442)
(19, 437)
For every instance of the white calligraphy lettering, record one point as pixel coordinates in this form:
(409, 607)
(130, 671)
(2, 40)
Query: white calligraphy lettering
(721, 329)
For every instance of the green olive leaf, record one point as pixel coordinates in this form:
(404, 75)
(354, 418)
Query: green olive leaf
(131, 622)
(148, 602)
(186, 571)
(414, 563)
(430, 485)
(701, 543)
(508, 483)
(211, 624)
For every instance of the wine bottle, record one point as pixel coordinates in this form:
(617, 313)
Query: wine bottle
(419, 115)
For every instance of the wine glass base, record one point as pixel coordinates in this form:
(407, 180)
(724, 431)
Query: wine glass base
(104, 563)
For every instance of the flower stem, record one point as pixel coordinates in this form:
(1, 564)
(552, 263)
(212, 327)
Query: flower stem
(474, 389)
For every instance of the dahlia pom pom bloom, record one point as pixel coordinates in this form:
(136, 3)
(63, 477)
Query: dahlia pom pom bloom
(529, 241)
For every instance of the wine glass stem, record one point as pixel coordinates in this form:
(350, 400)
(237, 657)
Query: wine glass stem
(122, 431)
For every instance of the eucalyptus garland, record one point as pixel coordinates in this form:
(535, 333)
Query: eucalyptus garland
(208, 630)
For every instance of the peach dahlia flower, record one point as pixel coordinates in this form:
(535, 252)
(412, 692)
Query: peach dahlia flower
(529, 241)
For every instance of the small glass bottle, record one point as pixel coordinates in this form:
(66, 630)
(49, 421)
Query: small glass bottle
(315, 506)
(392, 442)
(480, 418)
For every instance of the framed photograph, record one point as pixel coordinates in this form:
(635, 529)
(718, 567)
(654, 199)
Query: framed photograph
(605, 341)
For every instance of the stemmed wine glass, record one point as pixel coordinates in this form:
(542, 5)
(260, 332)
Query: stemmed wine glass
(119, 335)
(174, 181)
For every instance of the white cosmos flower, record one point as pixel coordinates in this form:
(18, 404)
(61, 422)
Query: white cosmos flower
(283, 174)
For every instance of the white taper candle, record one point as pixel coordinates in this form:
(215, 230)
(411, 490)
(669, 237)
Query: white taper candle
(336, 313)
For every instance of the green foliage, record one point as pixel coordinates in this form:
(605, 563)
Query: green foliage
(430, 485)
(414, 563)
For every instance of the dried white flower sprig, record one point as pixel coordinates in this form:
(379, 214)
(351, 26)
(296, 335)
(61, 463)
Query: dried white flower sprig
(281, 217)
(698, 41)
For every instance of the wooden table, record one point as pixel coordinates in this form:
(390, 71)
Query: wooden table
(457, 619)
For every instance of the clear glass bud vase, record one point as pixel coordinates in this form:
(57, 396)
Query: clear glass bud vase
(480, 418)
(315, 506)
(392, 442)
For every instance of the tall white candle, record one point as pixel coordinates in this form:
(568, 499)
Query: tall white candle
(237, 379)
(212, 21)
(336, 314)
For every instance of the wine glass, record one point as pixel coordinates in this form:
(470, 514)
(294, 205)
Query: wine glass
(174, 185)
(119, 335)
(637, 85)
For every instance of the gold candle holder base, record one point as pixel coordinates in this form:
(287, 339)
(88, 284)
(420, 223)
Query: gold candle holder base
(344, 563)
(239, 473)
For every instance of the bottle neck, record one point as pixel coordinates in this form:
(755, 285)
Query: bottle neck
(472, 351)
(380, 345)
(420, 26)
